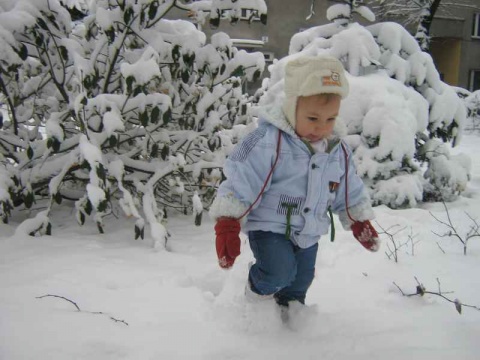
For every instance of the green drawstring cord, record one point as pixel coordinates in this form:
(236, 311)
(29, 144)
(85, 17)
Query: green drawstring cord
(332, 225)
(288, 230)
(290, 207)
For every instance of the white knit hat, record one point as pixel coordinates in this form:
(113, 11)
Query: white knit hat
(312, 75)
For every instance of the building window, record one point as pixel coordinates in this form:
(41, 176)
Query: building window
(245, 14)
(476, 25)
(250, 15)
(474, 80)
(269, 57)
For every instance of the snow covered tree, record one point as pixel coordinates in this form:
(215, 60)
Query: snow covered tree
(342, 14)
(419, 13)
(399, 114)
(404, 61)
(121, 109)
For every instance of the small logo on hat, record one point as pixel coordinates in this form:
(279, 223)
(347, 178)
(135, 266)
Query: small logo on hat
(332, 80)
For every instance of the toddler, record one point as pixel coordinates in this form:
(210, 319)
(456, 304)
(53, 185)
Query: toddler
(284, 180)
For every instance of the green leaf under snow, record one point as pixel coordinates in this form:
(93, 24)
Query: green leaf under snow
(88, 207)
(29, 199)
(30, 153)
(144, 118)
(57, 197)
(63, 52)
(81, 218)
(101, 173)
(167, 116)
(152, 10)
(23, 52)
(42, 24)
(55, 145)
(154, 152)
(185, 76)
(176, 52)
(102, 206)
(112, 140)
(129, 80)
(165, 152)
(155, 116)
(127, 15)
(239, 71)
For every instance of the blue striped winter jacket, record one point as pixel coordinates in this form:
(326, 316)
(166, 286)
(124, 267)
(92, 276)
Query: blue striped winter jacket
(300, 191)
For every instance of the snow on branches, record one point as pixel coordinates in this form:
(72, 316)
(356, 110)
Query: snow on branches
(122, 109)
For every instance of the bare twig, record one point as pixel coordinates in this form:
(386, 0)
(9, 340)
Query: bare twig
(312, 10)
(111, 317)
(411, 238)
(396, 246)
(399, 288)
(78, 308)
(421, 291)
(440, 248)
(473, 228)
(439, 288)
(60, 297)
(452, 232)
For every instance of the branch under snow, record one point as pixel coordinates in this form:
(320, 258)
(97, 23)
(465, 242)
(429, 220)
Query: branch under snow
(79, 310)
(421, 291)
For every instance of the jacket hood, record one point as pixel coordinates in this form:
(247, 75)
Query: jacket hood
(274, 115)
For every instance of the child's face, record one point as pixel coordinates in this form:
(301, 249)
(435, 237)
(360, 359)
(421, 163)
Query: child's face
(316, 116)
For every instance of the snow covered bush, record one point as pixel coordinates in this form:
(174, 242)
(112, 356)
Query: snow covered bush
(397, 104)
(121, 109)
(342, 13)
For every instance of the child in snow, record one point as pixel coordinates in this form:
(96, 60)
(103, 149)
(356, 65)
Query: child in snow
(283, 181)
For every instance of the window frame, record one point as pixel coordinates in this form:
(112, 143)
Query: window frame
(476, 26)
(245, 14)
(269, 57)
(471, 81)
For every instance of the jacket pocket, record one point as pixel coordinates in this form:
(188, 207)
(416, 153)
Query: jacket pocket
(331, 182)
(282, 202)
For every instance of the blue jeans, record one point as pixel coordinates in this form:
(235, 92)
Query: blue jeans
(281, 268)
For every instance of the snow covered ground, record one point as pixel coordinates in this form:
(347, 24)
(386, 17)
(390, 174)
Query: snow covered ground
(179, 304)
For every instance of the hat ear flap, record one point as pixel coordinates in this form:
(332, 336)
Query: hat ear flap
(290, 109)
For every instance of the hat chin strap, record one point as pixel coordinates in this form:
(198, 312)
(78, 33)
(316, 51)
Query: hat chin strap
(290, 109)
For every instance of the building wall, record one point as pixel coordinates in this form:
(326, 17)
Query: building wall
(446, 53)
(456, 24)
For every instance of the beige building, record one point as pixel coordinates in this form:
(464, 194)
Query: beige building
(455, 46)
(455, 34)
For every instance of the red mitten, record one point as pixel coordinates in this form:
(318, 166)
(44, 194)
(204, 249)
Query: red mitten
(365, 233)
(228, 241)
